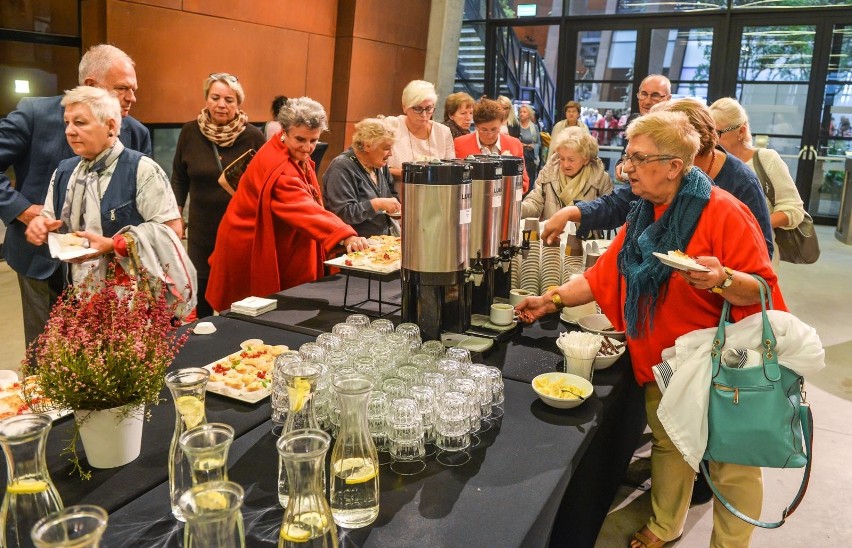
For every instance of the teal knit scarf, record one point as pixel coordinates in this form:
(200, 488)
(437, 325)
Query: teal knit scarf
(644, 274)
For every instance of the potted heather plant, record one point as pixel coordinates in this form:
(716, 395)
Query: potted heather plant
(104, 354)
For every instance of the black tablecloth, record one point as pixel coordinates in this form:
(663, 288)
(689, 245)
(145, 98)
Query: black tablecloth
(315, 307)
(509, 494)
(114, 488)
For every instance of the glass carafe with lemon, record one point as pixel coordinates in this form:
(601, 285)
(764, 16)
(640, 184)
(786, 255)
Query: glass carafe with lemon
(30, 493)
(307, 520)
(187, 387)
(354, 491)
(300, 379)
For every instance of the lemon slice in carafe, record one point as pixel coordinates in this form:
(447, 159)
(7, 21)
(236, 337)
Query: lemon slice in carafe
(191, 409)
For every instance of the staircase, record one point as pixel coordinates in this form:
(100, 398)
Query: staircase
(520, 72)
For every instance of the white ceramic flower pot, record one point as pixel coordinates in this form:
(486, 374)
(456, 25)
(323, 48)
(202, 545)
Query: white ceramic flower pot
(110, 437)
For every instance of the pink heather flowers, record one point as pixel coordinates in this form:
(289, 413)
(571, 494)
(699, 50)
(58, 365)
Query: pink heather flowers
(105, 347)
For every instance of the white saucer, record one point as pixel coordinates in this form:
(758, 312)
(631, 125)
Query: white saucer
(679, 263)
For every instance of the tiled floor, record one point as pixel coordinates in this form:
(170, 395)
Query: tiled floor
(821, 295)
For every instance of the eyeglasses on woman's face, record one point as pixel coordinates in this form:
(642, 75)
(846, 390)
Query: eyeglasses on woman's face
(423, 110)
(637, 158)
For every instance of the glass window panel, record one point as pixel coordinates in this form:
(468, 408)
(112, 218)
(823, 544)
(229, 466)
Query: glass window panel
(165, 144)
(512, 9)
(790, 3)
(47, 16)
(840, 58)
(684, 56)
(610, 7)
(775, 53)
(475, 10)
(525, 68)
(605, 55)
(470, 69)
(41, 69)
(775, 109)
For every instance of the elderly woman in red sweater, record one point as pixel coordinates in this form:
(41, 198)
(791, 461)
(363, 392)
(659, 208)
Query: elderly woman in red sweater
(276, 232)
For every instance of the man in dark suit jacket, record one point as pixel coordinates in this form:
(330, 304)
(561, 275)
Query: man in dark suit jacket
(487, 117)
(32, 139)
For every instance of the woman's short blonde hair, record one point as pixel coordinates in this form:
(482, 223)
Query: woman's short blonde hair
(728, 112)
(103, 104)
(455, 101)
(671, 132)
(699, 116)
(512, 120)
(229, 80)
(529, 108)
(416, 92)
(371, 131)
(577, 140)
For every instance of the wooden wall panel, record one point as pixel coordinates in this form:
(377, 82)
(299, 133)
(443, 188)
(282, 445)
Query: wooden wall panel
(402, 22)
(313, 16)
(320, 69)
(371, 87)
(176, 50)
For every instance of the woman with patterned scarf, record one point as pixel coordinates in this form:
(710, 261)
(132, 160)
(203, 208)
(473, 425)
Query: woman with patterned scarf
(220, 135)
(679, 209)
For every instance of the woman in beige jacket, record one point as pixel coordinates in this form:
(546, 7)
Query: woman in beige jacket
(573, 174)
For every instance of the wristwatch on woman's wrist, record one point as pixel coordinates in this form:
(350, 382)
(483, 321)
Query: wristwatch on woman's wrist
(726, 283)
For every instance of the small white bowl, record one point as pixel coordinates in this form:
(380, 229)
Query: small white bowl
(600, 324)
(565, 403)
(602, 361)
(204, 328)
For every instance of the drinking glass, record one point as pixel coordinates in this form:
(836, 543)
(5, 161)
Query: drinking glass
(213, 517)
(425, 398)
(479, 374)
(468, 388)
(461, 355)
(312, 352)
(377, 417)
(405, 437)
(496, 391)
(398, 344)
(412, 333)
(345, 331)
(452, 429)
(436, 381)
(360, 321)
(329, 342)
(336, 359)
(449, 367)
(206, 448)
(382, 325)
(408, 373)
(395, 387)
(366, 366)
(80, 526)
(423, 362)
(370, 338)
(433, 348)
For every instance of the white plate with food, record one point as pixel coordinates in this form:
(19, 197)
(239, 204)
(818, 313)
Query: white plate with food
(384, 256)
(66, 247)
(245, 375)
(12, 400)
(680, 261)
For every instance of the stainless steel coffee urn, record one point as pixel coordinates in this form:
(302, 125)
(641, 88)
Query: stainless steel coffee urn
(510, 226)
(486, 175)
(436, 220)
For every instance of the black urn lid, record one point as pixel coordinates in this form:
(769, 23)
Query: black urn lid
(436, 172)
(484, 168)
(512, 165)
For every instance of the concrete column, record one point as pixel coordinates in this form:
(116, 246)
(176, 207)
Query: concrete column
(442, 49)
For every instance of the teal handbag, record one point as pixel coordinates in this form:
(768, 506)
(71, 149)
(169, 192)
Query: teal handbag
(757, 415)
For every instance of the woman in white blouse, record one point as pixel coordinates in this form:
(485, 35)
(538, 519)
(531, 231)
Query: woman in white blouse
(735, 135)
(417, 136)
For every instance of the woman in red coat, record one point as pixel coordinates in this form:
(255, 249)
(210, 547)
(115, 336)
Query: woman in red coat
(276, 232)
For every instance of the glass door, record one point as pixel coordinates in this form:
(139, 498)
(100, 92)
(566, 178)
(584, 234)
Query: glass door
(793, 80)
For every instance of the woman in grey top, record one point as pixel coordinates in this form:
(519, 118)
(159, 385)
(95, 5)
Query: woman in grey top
(357, 186)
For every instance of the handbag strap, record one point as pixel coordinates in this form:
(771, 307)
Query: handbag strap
(768, 189)
(770, 360)
(807, 419)
(216, 155)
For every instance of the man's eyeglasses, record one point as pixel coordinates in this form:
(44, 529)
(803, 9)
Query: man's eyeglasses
(422, 110)
(637, 158)
(656, 97)
(224, 76)
(719, 132)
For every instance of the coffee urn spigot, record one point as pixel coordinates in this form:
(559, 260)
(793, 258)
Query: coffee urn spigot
(476, 272)
(525, 243)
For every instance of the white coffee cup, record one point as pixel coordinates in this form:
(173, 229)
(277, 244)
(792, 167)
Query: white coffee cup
(502, 314)
(518, 295)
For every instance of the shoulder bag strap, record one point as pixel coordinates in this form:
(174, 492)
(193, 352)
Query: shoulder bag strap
(770, 360)
(764, 180)
(216, 155)
(807, 428)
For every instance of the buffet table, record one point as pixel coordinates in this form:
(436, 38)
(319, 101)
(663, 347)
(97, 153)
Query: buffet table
(540, 476)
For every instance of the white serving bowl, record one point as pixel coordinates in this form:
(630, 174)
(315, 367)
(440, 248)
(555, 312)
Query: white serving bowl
(602, 361)
(600, 324)
(564, 403)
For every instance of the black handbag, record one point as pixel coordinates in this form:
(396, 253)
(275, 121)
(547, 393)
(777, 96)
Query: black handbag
(799, 245)
(230, 176)
(757, 415)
